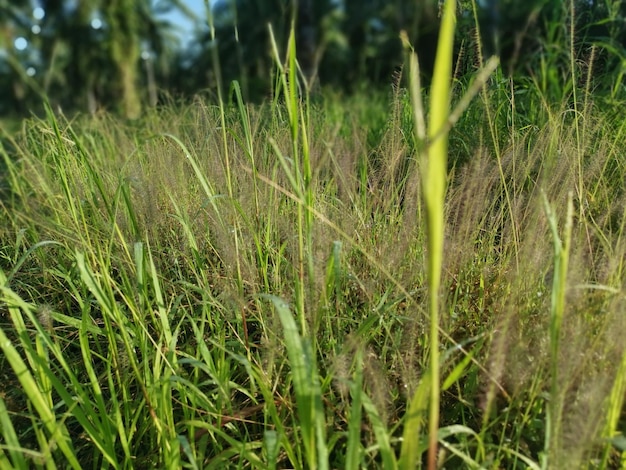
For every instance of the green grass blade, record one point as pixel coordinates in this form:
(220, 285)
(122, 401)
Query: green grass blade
(415, 419)
(58, 431)
(435, 175)
(381, 432)
(306, 385)
(354, 450)
(11, 442)
(23, 258)
(557, 310)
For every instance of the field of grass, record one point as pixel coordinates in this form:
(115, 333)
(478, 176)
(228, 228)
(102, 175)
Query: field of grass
(252, 286)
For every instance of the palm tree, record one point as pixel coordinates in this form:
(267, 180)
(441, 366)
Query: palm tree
(88, 53)
(123, 20)
(135, 31)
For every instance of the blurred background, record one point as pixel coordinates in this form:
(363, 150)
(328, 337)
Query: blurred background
(125, 55)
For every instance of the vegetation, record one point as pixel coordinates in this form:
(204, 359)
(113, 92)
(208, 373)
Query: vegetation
(124, 56)
(322, 281)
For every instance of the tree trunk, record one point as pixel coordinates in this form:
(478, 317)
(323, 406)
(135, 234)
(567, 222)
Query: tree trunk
(125, 51)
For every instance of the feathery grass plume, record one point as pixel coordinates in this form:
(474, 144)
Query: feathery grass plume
(163, 351)
(521, 346)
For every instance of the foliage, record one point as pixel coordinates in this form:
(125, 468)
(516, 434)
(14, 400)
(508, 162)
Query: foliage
(245, 285)
(86, 54)
(341, 45)
(234, 285)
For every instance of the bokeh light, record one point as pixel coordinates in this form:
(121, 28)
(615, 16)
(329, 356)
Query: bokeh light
(39, 13)
(20, 43)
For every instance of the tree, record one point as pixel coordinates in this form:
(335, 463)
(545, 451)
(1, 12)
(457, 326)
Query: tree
(122, 17)
(342, 42)
(15, 81)
(88, 53)
(135, 31)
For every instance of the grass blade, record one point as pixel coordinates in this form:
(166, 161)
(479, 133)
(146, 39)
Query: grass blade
(381, 432)
(435, 176)
(11, 441)
(354, 449)
(415, 419)
(58, 432)
(306, 385)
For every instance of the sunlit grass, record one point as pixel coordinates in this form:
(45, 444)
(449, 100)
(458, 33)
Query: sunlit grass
(264, 287)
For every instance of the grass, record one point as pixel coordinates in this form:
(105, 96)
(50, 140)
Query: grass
(250, 286)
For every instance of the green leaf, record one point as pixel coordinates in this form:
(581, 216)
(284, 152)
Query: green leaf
(415, 419)
(58, 431)
(306, 385)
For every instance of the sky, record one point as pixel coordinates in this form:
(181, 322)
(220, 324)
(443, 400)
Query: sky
(183, 23)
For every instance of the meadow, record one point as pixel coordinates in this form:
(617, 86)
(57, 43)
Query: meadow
(226, 285)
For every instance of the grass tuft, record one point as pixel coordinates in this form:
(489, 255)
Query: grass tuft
(264, 287)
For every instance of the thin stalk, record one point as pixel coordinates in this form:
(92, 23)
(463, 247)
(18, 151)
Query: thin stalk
(559, 287)
(300, 172)
(579, 144)
(229, 180)
(435, 175)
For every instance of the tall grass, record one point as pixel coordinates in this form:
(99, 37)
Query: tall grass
(263, 287)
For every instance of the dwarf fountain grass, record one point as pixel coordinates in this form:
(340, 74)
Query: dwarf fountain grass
(306, 341)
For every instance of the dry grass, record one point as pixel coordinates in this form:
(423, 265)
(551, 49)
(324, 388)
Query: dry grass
(98, 186)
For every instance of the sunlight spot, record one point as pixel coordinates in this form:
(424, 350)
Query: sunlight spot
(21, 43)
(36, 29)
(96, 23)
(30, 71)
(39, 13)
